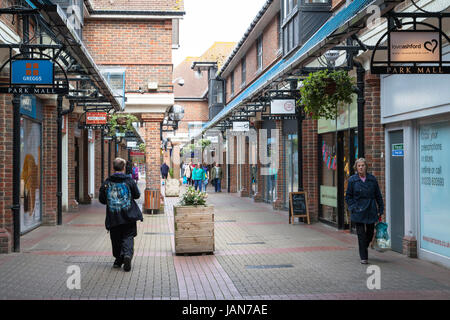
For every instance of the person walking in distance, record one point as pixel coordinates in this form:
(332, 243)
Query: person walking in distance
(135, 173)
(188, 173)
(119, 192)
(363, 196)
(216, 177)
(198, 175)
(164, 171)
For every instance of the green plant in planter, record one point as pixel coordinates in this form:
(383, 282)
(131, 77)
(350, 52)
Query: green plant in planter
(171, 172)
(322, 91)
(193, 198)
(142, 147)
(121, 123)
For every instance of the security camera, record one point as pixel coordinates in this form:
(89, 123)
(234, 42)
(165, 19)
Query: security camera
(181, 82)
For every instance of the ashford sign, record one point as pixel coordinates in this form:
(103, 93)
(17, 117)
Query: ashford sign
(412, 52)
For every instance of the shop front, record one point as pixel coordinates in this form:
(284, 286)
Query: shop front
(30, 163)
(338, 150)
(415, 110)
(269, 172)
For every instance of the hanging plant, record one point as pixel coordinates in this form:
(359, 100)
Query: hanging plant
(121, 123)
(322, 92)
(142, 147)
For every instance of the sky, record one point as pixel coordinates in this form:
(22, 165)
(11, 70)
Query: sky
(208, 21)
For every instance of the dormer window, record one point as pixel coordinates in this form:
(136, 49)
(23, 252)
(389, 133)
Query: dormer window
(300, 19)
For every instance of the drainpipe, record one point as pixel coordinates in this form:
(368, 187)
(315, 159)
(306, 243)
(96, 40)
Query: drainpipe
(361, 101)
(16, 172)
(103, 155)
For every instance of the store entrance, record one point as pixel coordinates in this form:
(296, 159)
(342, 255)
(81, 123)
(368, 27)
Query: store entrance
(337, 156)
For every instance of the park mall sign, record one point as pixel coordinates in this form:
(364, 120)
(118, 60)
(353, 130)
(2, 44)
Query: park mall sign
(412, 47)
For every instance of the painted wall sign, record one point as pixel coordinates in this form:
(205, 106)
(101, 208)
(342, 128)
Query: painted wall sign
(96, 117)
(417, 46)
(241, 125)
(35, 72)
(398, 150)
(282, 106)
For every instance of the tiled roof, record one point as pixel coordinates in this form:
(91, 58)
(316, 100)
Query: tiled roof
(137, 5)
(195, 86)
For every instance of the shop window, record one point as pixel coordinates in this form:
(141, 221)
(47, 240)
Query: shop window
(434, 168)
(328, 183)
(232, 83)
(243, 71)
(259, 53)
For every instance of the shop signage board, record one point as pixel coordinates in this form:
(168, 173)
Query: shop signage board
(347, 118)
(282, 106)
(398, 150)
(241, 125)
(213, 139)
(32, 72)
(96, 118)
(411, 51)
(284, 117)
(137, 154)
(415, 46)
(298, 206)
(131, 144)
(32, 76)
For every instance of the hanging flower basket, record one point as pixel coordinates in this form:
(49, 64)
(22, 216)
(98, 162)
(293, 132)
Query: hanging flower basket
(121, 123)
(322, 92)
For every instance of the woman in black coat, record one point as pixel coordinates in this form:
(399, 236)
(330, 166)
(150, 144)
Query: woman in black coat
(365, 202)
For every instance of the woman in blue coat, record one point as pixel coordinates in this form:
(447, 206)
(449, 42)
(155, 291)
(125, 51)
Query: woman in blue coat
(365, 202)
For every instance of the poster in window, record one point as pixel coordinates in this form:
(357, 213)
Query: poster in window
(30, 177)
(434, 188)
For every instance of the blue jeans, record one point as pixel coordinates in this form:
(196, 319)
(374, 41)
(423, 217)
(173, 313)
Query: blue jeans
(217, 187)
(204, 185)
(198, 184)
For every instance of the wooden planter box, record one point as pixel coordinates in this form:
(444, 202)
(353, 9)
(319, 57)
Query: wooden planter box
(194, 229)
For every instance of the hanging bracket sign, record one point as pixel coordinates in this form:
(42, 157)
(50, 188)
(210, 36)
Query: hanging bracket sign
(416, 48)
(29, 75)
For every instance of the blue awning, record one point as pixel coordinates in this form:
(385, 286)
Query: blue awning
(343, 19)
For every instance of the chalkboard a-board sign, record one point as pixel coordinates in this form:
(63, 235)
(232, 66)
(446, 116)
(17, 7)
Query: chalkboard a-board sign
(298, 206)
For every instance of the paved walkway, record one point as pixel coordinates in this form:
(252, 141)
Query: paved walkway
(259, 255)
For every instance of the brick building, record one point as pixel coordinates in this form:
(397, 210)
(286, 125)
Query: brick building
(280, 44)
(115, 55)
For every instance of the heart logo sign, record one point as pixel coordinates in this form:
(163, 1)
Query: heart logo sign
(431, 45)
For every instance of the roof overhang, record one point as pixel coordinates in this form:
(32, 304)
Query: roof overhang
(73, 44)
(345, 23)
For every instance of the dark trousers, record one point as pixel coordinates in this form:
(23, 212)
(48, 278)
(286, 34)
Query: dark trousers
(122, 239)
(365, 235)
(217, 187)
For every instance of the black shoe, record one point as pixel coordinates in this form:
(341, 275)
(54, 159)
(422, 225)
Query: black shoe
(118, 263)
(127, 263)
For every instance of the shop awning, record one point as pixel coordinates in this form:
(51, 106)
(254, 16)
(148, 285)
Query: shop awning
(338, 27)
(75, 46)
